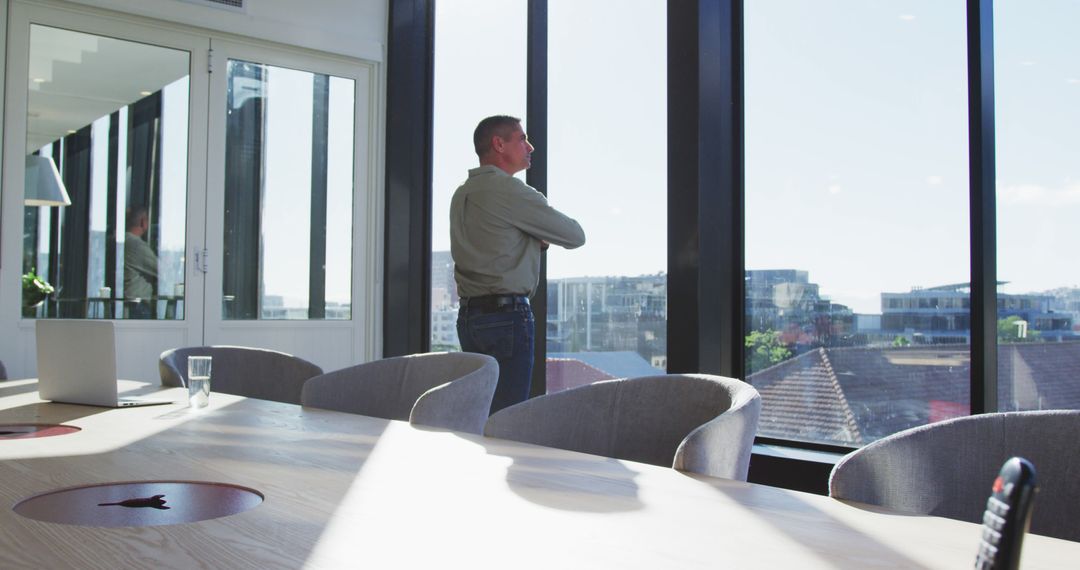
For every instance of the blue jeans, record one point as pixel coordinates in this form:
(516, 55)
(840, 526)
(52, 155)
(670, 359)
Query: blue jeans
(507, 336)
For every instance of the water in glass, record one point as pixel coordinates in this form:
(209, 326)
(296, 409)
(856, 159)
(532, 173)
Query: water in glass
(199, 381)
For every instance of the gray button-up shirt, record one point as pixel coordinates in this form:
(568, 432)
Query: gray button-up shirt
(496, 225)
(140, 268)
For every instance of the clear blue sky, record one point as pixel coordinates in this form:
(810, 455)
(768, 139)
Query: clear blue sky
(286, 213)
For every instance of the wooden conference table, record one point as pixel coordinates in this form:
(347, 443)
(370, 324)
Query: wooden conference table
(348, 491)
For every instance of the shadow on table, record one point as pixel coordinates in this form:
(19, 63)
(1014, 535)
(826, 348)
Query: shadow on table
(567, 480)
(48, 413)
(808, 525)
(7, 389)
(316, 457)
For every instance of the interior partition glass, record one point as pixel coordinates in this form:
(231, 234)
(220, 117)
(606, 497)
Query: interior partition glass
(857, 233)
(106, 178)
(607, 168)
(288, 194)
(479, 71)
(1037, 116)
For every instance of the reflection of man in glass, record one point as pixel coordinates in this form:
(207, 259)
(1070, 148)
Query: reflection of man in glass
(140, 264)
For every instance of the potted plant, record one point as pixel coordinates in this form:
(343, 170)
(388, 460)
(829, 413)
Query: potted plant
(35, 289)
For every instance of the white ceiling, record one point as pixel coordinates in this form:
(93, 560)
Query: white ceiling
(77, 78)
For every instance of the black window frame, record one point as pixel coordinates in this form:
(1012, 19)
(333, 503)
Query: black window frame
(706, 266)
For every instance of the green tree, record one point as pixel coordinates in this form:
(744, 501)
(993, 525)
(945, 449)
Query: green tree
(765, 349)
(901, 341)
(1009, 331)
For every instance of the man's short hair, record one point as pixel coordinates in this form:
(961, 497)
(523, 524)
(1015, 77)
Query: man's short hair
(501, 125)
(135, 215)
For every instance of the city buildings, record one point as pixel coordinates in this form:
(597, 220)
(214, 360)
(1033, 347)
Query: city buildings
(942, 314)
(831, 376)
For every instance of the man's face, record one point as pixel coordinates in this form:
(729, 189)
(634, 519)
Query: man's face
(516, 150)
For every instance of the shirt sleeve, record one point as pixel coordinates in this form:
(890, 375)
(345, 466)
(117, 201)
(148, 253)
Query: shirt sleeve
(530, 213)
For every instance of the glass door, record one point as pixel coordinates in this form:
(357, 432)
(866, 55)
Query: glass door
(105, 130)
(290, 176)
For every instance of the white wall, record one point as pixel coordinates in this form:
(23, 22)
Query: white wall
(356, 28)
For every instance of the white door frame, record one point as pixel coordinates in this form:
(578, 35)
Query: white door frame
(139, 342)
(331, 344)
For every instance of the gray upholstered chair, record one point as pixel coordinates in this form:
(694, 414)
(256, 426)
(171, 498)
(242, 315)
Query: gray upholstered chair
(692, 422)
(947, 468)
(450, 390)
(252, 372)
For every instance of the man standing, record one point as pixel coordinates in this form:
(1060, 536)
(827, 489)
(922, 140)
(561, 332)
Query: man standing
(140, 264)
(498, 227)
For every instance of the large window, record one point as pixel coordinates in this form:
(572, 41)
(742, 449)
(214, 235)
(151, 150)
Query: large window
(288, 198)
(856, 185)
(473, 79)
(106, 178)
(607, 168)
(856, 207)
(1038, 201)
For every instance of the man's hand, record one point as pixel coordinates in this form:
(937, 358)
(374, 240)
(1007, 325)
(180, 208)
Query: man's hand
(544, 245)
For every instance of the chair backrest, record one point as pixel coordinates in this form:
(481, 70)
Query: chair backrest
(3, 372)
(244, 371)
(945, 468)
(450, 390)
(693, 422)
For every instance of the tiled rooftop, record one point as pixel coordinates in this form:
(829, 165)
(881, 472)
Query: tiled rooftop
(857, 395)
(564, 373)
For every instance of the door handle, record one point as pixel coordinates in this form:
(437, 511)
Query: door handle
(202, 260)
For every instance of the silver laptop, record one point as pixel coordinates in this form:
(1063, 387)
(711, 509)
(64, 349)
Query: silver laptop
(76, 363)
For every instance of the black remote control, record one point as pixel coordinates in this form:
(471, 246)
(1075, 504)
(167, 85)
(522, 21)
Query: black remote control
(1007, 516)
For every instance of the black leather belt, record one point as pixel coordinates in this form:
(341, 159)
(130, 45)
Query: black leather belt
(494, 303)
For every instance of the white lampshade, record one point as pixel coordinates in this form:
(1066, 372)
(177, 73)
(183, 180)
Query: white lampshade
(43, 184)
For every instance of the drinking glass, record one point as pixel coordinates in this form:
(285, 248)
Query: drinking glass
(199, 380)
